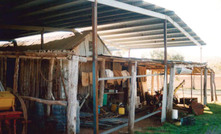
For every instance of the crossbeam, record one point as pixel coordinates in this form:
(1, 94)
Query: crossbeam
(37, 28)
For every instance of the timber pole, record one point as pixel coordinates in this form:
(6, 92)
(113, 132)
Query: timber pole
(201, 76)
(214, 83)
(164, 100)
(15, 82)
(4, 79)
(158, 82)
(152, 83)
(191, 85)
(72, 94)
(211, 87)
(201, 85)
(132, 101)
(205, 86)
(170, 94)
(50, 84)
(94, 67)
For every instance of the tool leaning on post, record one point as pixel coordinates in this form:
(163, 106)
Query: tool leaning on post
(156, 100)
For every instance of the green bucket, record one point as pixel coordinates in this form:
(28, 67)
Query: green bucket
(105, 100)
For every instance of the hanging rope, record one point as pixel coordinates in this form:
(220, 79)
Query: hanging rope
(62, 79)
(39, 70)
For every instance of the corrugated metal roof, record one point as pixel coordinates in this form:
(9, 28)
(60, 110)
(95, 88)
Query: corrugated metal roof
(58, 44)
(124, 29)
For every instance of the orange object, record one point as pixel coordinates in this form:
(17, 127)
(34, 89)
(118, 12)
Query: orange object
(114, 107)
(7, 100)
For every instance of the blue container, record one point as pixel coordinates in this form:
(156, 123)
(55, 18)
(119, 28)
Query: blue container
(39, 115)
(59, 113)
(39, 109)
(99, 109)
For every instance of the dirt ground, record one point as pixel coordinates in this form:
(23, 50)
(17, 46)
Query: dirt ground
(154, 121)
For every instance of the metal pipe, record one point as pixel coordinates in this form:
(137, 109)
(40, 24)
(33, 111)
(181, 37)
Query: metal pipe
(164, 101)
(94, 67)
(114, 78)
(128, 77)
(139, 76)
(137, 120)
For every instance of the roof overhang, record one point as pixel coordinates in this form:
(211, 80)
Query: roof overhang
(124, 24)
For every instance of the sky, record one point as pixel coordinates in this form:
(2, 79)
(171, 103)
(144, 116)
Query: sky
(204, 18)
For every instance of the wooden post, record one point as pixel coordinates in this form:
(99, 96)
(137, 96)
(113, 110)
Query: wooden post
(50, 83)
(102, 83)
(191, 86)
(72, 94)
(15, 82)
(37, 79)
(201, 85)
(194, 85)
(211, 86)
(152, 83)
(5, 72)
(129, 82)
(205, 86)
(158, 82)
(132, 101)
(32, 82)
(170, 94)
(1, 69)
(64, 75)
(214, 83)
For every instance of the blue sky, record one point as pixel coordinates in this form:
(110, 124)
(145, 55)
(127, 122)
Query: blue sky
(204, 18)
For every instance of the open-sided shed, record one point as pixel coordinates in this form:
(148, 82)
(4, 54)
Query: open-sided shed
(123, 24)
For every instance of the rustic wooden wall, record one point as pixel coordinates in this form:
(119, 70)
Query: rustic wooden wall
(3, 70)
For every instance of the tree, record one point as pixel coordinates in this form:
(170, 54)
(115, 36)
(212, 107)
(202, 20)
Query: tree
(177, 57)
(159, 54)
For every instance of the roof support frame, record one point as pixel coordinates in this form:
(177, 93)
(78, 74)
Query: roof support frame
(157, 40)
(159, 46)
(154, 36)
(147, 38)
(164, 99)
(128, 7)
(143, 32)
(36, 28)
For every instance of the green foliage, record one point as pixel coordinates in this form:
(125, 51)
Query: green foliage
(209, 122)
(159, 54)
(177, 57)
